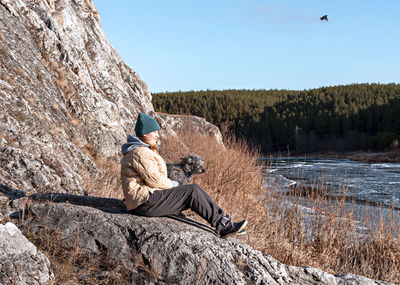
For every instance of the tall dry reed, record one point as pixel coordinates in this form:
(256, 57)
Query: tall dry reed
(106, 181)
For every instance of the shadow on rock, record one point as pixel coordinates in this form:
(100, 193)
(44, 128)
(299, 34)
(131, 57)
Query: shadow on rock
(10, 193)
(19, 200)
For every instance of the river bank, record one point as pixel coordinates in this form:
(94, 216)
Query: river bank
(365, 156)
(361, 156)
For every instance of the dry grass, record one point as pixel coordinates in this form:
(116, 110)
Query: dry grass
(11, 81)
(28, 98)
(56, 130)
(107, 182)
(329, 239)
(151, 269)
(45, 60)
(3, 77)
(21, 72)
(74, 121)
(55, 107)
(3, 51)
(39, 77)
(61, 78)
(71, 264)
(62, 81)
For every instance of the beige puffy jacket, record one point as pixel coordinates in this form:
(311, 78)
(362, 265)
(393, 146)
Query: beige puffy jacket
(142, 172)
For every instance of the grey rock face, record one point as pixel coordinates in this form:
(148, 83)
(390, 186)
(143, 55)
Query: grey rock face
(65, 94)
(177, 252)
(24, 171)
(20, 261)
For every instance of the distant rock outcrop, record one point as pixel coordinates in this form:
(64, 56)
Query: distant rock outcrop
(192, 123)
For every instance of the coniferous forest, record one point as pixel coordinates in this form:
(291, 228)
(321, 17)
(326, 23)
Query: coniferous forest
(338, 118)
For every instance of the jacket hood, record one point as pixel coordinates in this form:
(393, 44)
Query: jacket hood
(132, 143)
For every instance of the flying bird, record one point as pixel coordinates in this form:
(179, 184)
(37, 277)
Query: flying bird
(324, 17)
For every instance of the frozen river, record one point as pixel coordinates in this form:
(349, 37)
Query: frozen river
(364, 183)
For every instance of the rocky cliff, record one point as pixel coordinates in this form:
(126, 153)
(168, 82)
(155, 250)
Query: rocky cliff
(67, 100)
(66, 96)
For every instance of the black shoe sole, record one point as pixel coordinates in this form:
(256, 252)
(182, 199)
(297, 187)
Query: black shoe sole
(242, 232)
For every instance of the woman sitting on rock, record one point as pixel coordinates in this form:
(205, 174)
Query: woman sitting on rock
(149, 192)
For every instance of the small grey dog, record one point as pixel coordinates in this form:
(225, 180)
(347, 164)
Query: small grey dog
(183, 172)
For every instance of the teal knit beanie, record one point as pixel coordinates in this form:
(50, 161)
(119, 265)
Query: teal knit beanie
(145, 124)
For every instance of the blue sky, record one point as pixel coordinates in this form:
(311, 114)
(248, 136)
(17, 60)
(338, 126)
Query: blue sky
(248, 44)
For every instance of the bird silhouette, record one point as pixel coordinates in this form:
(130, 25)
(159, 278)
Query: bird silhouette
(324, 17)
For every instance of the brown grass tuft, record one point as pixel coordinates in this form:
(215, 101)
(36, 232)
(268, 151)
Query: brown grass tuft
(55, 107)
(74, 121)
(233, 173)
(21, 72)
(72, 264)
(11, 81)
(105, 183)
(53, 65)
(61, 80)
(3, 51)
(149, 268)
(39, 76)
(3, 77)
(28, 98)
(45, 60)
(55, 131)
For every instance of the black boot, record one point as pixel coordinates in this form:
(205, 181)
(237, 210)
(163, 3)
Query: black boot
(226, 227)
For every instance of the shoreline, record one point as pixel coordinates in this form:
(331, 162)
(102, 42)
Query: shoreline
(392, 156)
(366, 156)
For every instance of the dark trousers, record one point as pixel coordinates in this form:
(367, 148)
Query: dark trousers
(178, 199)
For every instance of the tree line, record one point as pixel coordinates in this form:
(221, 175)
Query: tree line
(346, 117)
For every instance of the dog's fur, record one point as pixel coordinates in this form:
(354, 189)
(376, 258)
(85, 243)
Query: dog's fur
(183, 172)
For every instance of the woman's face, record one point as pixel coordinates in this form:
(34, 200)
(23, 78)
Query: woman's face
(151, 138)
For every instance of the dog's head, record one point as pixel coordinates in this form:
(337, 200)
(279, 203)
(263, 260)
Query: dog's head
(192, 164)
